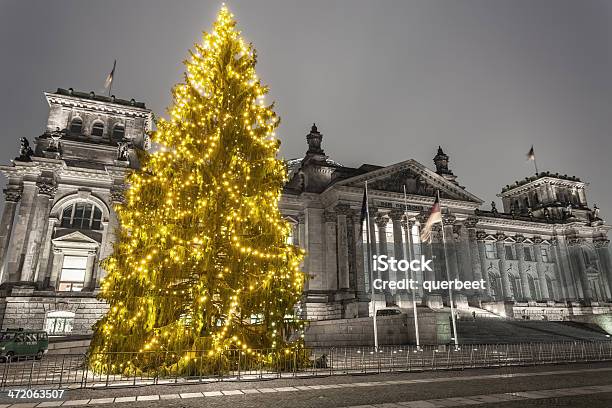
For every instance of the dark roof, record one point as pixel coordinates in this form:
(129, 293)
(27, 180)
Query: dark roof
(366, 168)
(102, 98)
(526, 180)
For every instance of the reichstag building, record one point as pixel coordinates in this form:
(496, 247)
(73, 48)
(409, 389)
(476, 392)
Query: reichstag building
(543, 255)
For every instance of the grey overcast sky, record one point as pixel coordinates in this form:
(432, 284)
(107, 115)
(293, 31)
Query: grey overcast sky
(385, 81)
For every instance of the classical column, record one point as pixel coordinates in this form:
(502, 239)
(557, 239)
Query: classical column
(90, 276)
(12, 195)
(520, 255)
(372, 228)
(56, 266)
(470, 226)
(451, 247)
(407, 231)
(43, 273)
(14, 254)
(462, 249)
(381, 223)
(602, 246)
(302, 233)
(503, 271)
(564, 266)
(537, 248)
(578, 258)
(331, 249)
(410, 252)
(342, 211)
(38, 228)
(560, 279)
(398, 243)
(359, 257)
(480, 236)
(427, 248)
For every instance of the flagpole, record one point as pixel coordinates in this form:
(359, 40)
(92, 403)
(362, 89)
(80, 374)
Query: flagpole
(535, 164)
(450, 291)
(369, 262)
(414, 303)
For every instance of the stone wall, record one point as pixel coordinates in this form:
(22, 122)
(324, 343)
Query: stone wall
(28, 309)
(434, 328)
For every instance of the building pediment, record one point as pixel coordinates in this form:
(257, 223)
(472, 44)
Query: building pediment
(418, 180)
(74, 239)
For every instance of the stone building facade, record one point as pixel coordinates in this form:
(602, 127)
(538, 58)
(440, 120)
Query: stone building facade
(58, 220)
(545, 254)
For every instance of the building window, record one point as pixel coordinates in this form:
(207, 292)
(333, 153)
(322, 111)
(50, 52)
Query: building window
(76, 126)
(290, 239)
(97, 129)
(527, 253)
(544, 253)
(118, 133)
(509, 252)
(59, 323)
(82, 215)
(72, 277)
(490, 251)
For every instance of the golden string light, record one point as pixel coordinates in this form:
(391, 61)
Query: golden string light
(202, 247)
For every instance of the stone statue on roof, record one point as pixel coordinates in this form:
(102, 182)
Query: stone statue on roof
(25, 151)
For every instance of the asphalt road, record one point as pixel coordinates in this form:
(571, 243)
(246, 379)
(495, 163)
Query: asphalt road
(575, 385)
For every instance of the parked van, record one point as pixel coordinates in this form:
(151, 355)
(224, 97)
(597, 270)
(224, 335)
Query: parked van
(16, 343)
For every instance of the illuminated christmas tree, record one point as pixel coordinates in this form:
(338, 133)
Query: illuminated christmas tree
(202, 260)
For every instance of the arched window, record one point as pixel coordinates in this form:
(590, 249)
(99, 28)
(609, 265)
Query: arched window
(76, 126)
(97, 129)
(59, 322)
(118, 132)
(82, 215)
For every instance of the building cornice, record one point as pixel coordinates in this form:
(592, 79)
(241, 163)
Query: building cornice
(97, 106)
(512, 191)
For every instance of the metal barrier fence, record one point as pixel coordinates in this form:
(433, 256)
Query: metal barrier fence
(71, 370)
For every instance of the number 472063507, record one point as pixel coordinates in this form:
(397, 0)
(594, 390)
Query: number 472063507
(35, 394)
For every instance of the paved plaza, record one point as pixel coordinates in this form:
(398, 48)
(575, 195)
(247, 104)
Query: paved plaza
(576, 385)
